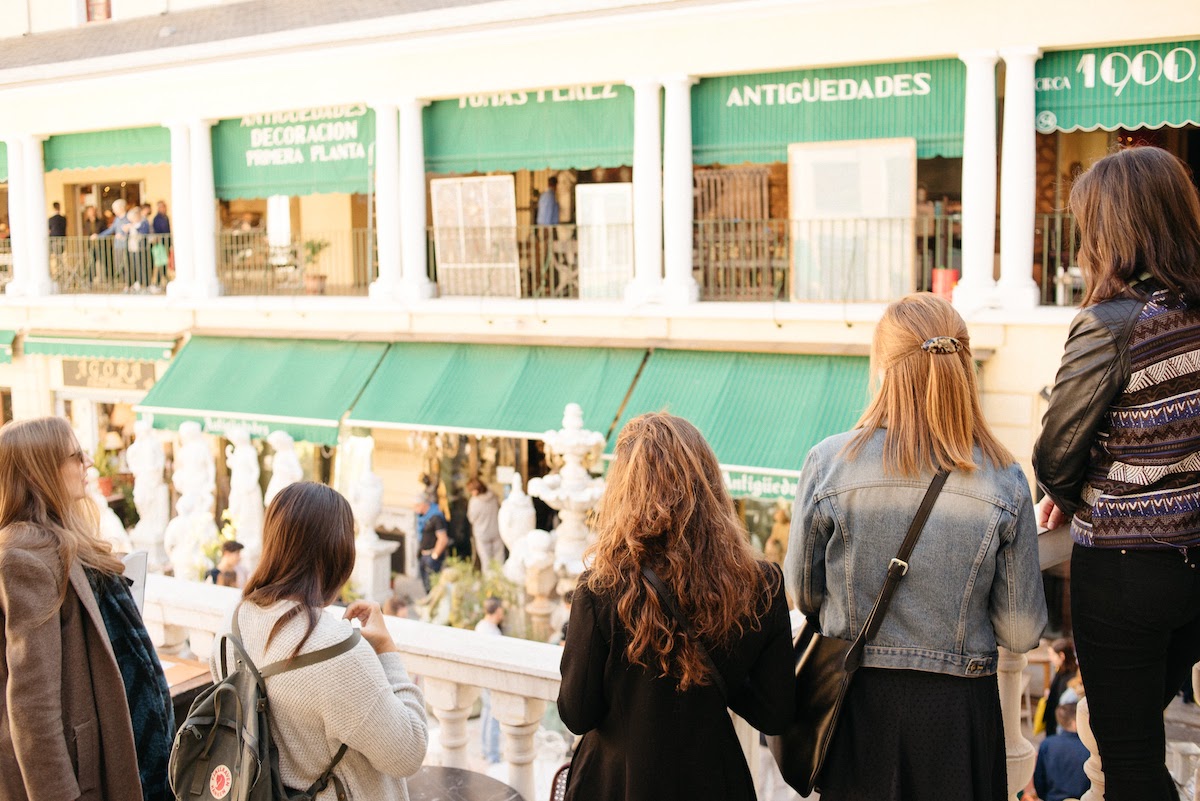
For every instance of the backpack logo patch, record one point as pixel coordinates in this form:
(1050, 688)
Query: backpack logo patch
(220, 782)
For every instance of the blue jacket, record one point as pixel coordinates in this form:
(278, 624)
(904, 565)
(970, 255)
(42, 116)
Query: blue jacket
(116, 231)
(974, 580)
(1059, 773)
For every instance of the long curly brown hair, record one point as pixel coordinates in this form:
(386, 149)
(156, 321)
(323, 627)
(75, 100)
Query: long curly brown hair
(666, 506)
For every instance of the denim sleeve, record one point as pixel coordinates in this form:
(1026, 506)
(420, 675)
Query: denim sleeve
(1018, 600)
(804, 567)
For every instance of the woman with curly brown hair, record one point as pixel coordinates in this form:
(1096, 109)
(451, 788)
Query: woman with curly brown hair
(649, 671)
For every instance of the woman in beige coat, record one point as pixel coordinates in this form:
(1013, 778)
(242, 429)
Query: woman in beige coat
(66, 731)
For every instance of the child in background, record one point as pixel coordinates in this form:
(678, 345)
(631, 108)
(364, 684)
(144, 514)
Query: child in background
(1059, 773)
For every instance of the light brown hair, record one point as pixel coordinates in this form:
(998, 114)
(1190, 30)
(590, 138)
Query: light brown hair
(927, 402)
(1138, 211)
(307, 556)
(32, 491)
(665, 505)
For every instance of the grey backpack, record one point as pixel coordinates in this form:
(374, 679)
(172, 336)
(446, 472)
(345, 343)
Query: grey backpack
(224, 751)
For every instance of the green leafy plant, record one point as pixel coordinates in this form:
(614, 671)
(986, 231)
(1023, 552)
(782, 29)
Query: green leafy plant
(313, 249)
(105, 462)
(228, 533)
(468, 588)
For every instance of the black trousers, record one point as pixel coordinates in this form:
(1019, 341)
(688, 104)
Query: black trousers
(1136, 617)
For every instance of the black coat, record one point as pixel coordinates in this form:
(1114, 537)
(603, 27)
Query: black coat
(642, 738)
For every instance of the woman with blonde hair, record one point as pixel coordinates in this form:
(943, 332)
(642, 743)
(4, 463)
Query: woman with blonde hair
(86, 711)
(675, 621)
(921, 720)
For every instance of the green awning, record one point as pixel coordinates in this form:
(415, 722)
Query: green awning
(760, 412)
(754, 118)
(3, 163)
(301, 386)
(124, 147)
(95, 347)
(6, 345)
(501, 390)
(577, 127)
(306, 152)
(1132, 86)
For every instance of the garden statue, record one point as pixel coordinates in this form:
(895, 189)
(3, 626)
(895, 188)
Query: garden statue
(151, 495)
(285, 464)
(188, 534)
(195, 471)
(373, 565)
(516, 519)
(540, 580)
(112, 529)
(245, 494)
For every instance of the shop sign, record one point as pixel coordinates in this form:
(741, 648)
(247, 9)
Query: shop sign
(755, 117)
(762, 487)
(1132, 86)
(221, 425)
(294, 152)
(108, 374)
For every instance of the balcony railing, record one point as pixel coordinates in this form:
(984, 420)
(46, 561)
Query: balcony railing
(81, 265)
(1056, 245)
(592, 262)
(313, 263)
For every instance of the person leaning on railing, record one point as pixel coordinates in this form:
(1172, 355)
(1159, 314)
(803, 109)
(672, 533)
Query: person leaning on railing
(1119, 457)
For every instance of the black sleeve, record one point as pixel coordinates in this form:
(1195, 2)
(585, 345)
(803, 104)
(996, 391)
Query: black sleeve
(1093, 372)
(767, 701)
(581, 703)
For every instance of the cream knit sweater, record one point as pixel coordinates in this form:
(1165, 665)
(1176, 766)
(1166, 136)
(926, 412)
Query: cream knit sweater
(363, 700)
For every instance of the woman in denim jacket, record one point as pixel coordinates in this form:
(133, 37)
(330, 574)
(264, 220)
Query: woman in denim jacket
(922, 718)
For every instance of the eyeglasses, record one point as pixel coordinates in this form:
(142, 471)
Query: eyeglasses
(79, 454)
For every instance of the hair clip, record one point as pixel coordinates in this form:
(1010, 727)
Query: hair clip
(940, 346)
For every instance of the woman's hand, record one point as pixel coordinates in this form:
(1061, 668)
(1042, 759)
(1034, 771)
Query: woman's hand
(1050, 516)
(373, 629)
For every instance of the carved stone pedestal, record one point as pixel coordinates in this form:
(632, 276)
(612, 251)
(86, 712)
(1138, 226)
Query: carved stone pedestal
(451, 704)
(372, 575)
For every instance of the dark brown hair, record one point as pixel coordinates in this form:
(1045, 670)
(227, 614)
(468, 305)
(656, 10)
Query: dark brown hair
(1066, 647)
(307, 556)
(666, 506)
(1138, 211)
(477, 486)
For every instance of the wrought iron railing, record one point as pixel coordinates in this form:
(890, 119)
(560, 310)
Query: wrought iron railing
(1056, 245)
(315, 263)
(138, 264)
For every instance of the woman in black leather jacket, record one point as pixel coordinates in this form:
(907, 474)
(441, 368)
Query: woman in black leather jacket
(1119, 455)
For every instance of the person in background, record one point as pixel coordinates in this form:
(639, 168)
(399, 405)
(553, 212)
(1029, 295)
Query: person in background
(363, 699)
(397, 605)
(137, 229)
(1059, 773)
(435, 538)
(1062, 658)
(85, 710)
(57, 222)
(118, 230)
(483, 512)
(229, 566)
(493, 618)
(161, 223)
(547, 207)
(1117, 457)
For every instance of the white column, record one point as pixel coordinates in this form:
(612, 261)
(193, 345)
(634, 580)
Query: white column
(1093, 767)
(679, 285)
(976, 285)
(414, 268)
(387, 201)
(36, 280)
(16, 214)
(451, 704)
(1018, 180)
(182, 232)
(647, 192)
(519, 719)
(204, 213)
(1020, 752)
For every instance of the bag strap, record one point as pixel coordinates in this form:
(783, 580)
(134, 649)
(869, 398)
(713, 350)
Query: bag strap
(668, 601)
(292, 663)
(897, 569)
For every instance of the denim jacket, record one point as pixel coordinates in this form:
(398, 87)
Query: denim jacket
(974, 580)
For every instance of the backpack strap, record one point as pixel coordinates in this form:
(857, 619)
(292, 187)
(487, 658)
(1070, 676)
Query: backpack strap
(312, 658)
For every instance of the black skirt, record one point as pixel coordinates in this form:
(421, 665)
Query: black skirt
(909, 735)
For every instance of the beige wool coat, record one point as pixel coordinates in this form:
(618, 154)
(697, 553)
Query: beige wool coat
(64, 721)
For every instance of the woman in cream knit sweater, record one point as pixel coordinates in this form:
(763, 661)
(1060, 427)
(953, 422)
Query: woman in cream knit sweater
(363, 698)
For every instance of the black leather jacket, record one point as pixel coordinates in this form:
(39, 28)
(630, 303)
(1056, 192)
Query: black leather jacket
(1094, 371)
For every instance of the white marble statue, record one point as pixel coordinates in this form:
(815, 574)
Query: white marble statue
(195, 470)
(285, 464)
(516, 519)
(150, 493)
(111, 527)
(188, 534)
(245, 494)
(366, 501)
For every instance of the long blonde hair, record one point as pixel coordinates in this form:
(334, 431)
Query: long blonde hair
(32, 491)
(928, 401)
(665, 505)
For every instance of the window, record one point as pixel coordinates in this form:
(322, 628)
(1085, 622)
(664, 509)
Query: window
(98, 10)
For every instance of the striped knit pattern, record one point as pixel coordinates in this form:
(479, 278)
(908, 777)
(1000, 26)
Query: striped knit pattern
(1143, 488)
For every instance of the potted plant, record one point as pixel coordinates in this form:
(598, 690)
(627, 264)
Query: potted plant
(106, 465)
(314, 282)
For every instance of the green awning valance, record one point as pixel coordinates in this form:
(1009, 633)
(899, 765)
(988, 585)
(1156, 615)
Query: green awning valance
(577, 127)
(1132, 86)
(505, 390)
(754, 118)
(3, 163)
(307, 152)
(761, 412)
(6, 345)
(301, 386)
(120, 148)
(84, 347)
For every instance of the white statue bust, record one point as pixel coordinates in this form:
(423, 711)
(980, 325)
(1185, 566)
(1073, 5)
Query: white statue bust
(150, 493)
(366, 500)
(111, 527)
(187, 535)
(245, 494)
(285, 464)
(195, 470)
(516, 519)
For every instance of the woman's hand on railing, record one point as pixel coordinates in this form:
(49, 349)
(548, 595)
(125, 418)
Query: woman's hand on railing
(374, 630)
(1049, 516)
